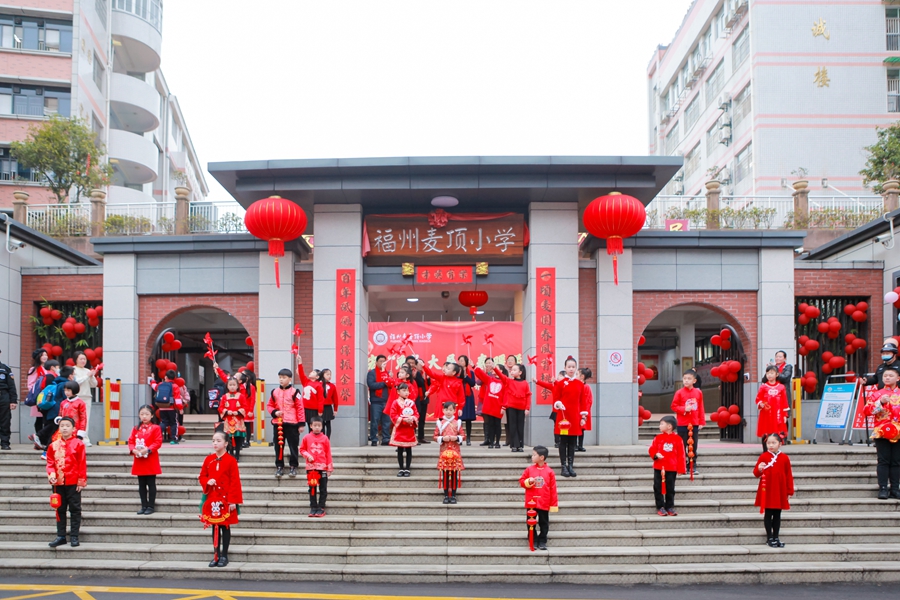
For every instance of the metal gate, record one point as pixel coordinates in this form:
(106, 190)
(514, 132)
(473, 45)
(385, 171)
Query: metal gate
(733, 393)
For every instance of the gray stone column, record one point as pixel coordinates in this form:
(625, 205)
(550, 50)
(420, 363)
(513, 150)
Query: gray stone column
(891, 194)
(121, 340)
(20, 206)
(338, 235)
(713, 194)
(553, 228)
(616, 399)
(272, 348)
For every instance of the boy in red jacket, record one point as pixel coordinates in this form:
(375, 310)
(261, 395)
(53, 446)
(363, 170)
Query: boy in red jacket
(539, 482)
(688, 408)
(316, 449)
(667, 451)
(67, 473)
(286, 407)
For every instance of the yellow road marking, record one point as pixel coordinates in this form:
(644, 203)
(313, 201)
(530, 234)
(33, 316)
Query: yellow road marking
(38, 595)
(83, 595)
(195, 597)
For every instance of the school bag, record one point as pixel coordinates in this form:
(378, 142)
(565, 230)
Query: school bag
(46, 399)
(31, 398)
(164, 394)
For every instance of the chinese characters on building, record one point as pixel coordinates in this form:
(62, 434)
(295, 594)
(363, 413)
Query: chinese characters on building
(390, 241)
(545, 328)
(821, 77)
(345, 335)
(444, 275)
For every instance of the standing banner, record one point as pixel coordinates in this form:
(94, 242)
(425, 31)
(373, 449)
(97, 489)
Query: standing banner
(439, 342)
(545, 324)
(859, 418)
(345, 335)
(836, 406)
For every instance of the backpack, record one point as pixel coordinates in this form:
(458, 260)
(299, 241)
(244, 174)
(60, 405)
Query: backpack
(46, 399)
(164, 394)
(34, 392)
(214, 395)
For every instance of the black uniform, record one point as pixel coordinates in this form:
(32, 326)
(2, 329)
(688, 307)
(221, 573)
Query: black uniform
(9, 397)
(876, 378)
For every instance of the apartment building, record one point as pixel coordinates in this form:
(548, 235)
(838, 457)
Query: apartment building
(98, 60)
(764, 89)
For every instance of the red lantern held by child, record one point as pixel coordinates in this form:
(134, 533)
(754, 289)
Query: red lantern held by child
(614, 217)
(276, 221)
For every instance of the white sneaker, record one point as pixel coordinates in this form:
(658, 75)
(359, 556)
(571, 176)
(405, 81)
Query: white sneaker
(87, 443)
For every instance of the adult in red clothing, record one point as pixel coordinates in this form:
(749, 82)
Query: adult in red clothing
(571, 415)
(286, 407)
(144, 444)
(884, 405)
(539, 482)
(67, 473)
(771, 400)
(446, 386)
(667, 451)
(776, 484)
(518, 404)
(492, 409)
(687, 404)
(220, 480)
(584, 374)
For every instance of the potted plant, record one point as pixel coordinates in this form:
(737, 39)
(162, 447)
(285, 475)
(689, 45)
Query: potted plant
(713, 184)
(801, 183)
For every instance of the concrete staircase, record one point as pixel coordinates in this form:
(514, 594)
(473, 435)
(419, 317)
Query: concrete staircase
(650, 429)
(606, 531)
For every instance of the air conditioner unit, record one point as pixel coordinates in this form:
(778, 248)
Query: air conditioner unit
(678, 188)
(723, 121)
(725, 175)
(725, 135)
(724, 102)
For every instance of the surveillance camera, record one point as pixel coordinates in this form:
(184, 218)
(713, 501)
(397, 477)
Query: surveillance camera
(17, 244)
(884, 238)
(445, 295)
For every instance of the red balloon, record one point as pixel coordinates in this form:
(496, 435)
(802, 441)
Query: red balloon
(851, 377)
(67, 327)
(802, 339)
(734, 419)
(812, 345)
(640, 421)
(170, 366)
(812, 312)
(648, 373)
(91, 313)
(249, 341)
(850, 349)
(251, 366)
(166, 347)
(723, 423)
(169, 336)
(70, 320)
(834, 326)
(176, 345)
(802, 308)
(858, 316)
(70, 362)
(90, 354)
(826, 356)
(641, 380)
(726, 345)
(94, 322)
(726, 334)
(642, 340)
(833, 335)
(46, 311)
(734, 409)
(56, 315)
(715, 340)
(48, 320)
(161, 364)
(822, 327)
(827, 368)
(180, 381)
(56, 351)
(859, 343)
(863, 306)
(714, 371)
(641, 367)
(79, 328)
(714, 416)
(275, 220)
(848, 310)
(181, 431)
(99, 351)
(646, 414)
(732, 377)
(837, 362)
(804, 320)
(735, 366)
(849, 338)
(99, 310)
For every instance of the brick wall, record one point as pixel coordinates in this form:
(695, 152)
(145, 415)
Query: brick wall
(155, 312)
(848, 282)
(303, 312)
(53, 288)
(738, 309)
(587, 319)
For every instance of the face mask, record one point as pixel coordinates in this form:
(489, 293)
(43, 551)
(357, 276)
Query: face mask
(886, 357)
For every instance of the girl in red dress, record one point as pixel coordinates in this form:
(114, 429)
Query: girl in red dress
(446, 387)
(232, 411)
(312, 404)
(449, 432)
(222, 494)
(405, 419)
(571, 415)
(144, 444)
(492, 409)
(404, 375)
(776, 484)
(584, 374)
(773, 405)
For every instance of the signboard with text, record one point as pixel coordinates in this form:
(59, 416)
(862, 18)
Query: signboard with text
(834, 411)
(436, 275)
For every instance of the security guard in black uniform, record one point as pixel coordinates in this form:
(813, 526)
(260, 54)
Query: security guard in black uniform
(9, 399)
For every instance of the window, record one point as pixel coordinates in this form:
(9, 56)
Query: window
(101, 7)
(34, 101)
(741, 49)
(742, 105)
(672, 140)
(743, 163)
(692, 161)
(692, 113)
(712, 138)
(892, 29)
(35, 34)
(96, 127)
(715, 83)
(719, 24)
(893, 90)
(99, 73)
(10, 170)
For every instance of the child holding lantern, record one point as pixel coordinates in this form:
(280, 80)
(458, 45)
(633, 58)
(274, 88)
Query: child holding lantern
(539, 482)
(316, 449)
(448, 431)
(776, 484)
(687, 404)
(884, 406)
(667, 451)
(67, 473)
(220, 479)
(771, 400)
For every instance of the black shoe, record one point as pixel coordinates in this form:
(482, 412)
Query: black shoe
(505, 444)
(883, 494)
(279, 472)
(580, 450)
(149, 510)
(446, 501)
(453, 498)
(556, 445)
(385, 442)
(565, 471)
(214, 562)
(895, 493)
(143, 511)
(293, 472)
(541, 546)
(572, 470)
(406, 473)
(5, 447)
(468, 443)
(374, 444)
(771, 543)
(400, 473)
(74, 543)
(484, 444)
(426, 441)
(778, 543)
(223, 561)
(59, 541)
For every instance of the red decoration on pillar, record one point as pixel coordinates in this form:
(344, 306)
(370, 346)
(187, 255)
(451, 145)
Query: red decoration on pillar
(276, 221)
(473, 299)
(345, 335)
(545, 328)
(614, 217)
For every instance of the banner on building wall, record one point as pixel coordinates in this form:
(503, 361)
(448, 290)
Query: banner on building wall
(436, 343)
(545, 330)
(345, 335)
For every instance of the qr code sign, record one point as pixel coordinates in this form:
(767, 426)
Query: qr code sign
(834, 411)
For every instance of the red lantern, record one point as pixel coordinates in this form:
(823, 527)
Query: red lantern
(276, 221)
(251, 366)
(473, 299)
(614, 217)
(55, 501)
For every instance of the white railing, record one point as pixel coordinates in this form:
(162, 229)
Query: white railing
(60, 220)
(148, 10)
(662, 208)
(216, 217)
(892, 25)
(145, 218)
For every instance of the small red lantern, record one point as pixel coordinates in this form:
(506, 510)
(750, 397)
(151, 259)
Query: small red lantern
(473, 299)
(276, 221)
(614, 217)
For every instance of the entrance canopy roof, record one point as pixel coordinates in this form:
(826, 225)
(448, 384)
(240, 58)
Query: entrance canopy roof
(479, 182)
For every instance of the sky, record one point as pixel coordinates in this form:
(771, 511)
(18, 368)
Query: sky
(282, 79)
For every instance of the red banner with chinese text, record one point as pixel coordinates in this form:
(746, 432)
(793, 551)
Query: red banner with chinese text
(545, 330)
(436, 343)
(859, 419)
(345, 335)
(444, 275)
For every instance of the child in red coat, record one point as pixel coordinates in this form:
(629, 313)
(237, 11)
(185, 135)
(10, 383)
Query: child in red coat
(446, 386)
(492, 393)
(405, 421)
(220, 479)
(584, 374)
(232, 410)
(776, 484)
(316, 449)
(67, 473)
(667, 451)
(771, 400)
(518, 404)
(144, 444)
(539, 482)
(571, 415)
(687, 404)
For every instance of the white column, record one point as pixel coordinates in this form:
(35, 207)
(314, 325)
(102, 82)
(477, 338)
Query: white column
(276, 319)
(553, 227)
(775, 323)
(121, 341)
(686, 337)
(616, 400)
(338, 235)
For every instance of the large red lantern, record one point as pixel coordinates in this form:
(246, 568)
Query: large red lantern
(276, 221)
(614, 217)
(473, 299)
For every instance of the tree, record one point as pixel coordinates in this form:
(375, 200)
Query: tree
(66, 153)
(883, 162)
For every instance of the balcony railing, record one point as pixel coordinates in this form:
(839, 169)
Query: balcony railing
(892, 25)
(765, 212)
(148, 10)
(216, 217)
(60, 220)
(143, 218)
